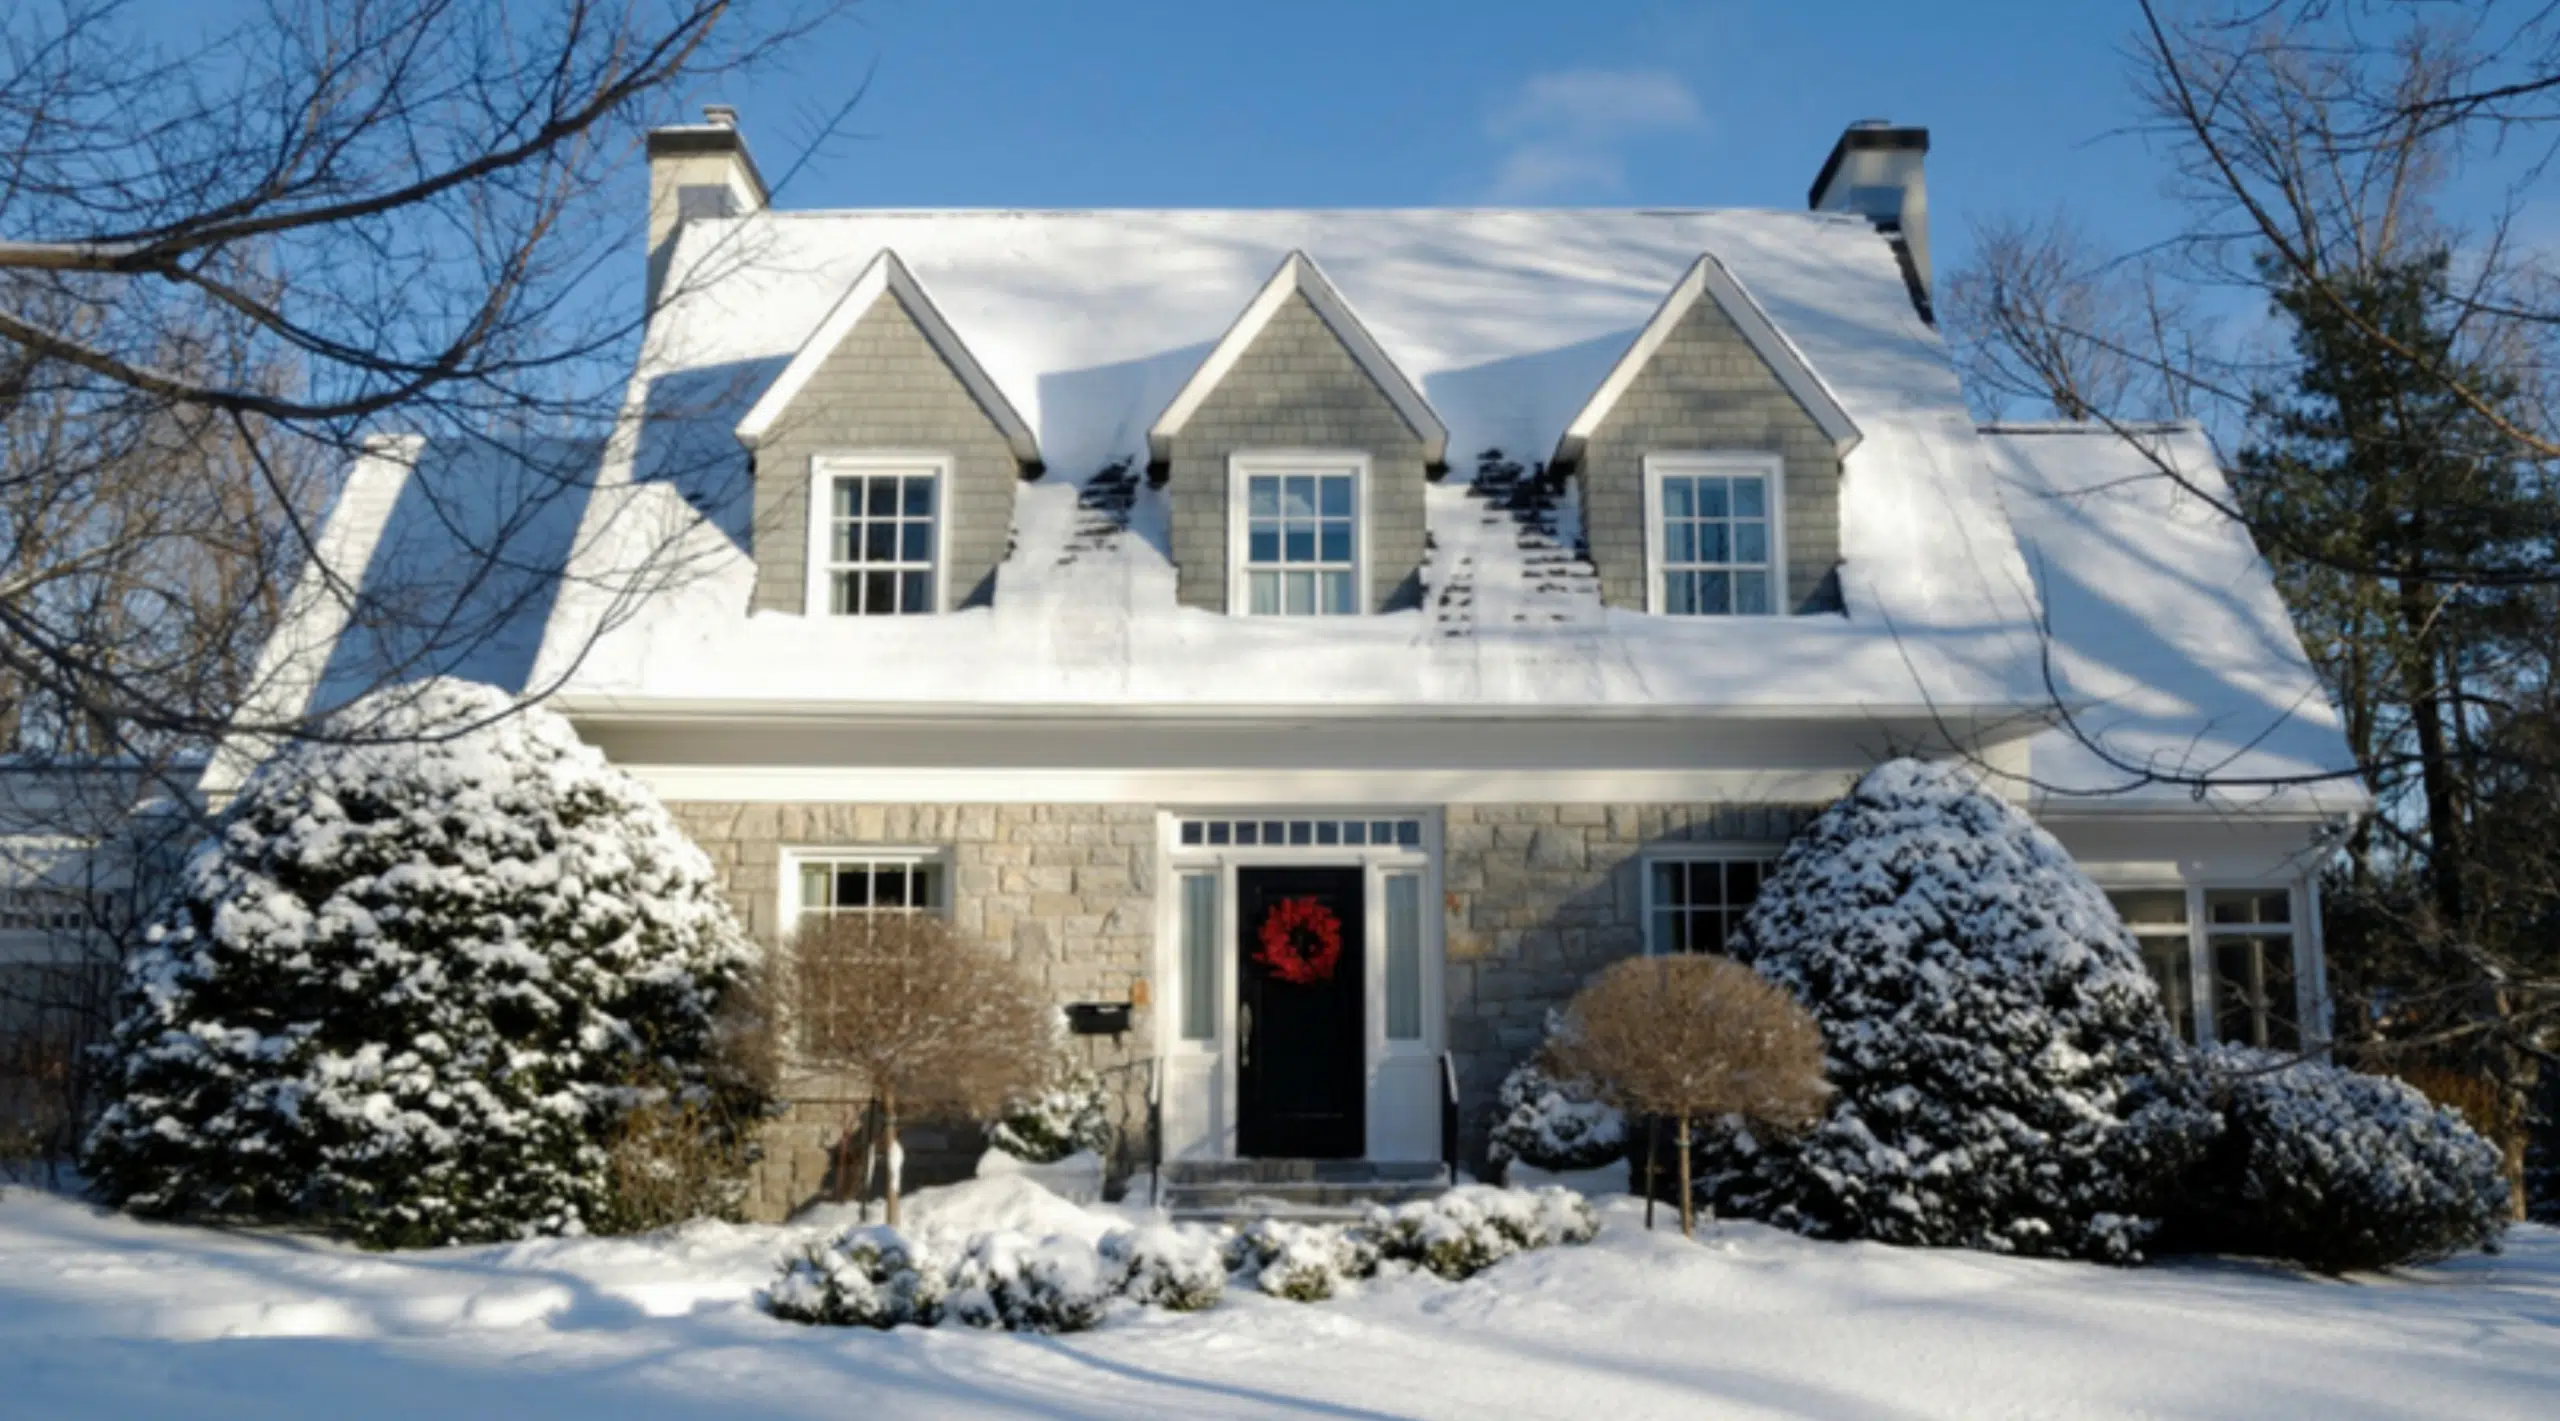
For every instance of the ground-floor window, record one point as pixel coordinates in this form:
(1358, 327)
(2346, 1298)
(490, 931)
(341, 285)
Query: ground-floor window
(1693, 902)
(2237, 945)
(836, 882)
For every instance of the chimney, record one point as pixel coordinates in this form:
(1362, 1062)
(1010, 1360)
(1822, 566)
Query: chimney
(696, 170)
(1875, 171)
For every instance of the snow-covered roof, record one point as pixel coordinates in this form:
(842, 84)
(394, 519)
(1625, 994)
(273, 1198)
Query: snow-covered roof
(1091, 323)
(2168, 637)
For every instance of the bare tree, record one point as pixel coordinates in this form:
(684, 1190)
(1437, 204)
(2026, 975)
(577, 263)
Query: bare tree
(1695, 1037)
(918, 1018)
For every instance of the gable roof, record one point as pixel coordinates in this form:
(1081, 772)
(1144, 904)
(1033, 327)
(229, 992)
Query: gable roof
(1707, 277)
(887, 275)
(1299, 276)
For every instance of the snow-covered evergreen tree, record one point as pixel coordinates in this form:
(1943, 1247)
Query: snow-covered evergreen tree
(408, 986)
(2005, 1076)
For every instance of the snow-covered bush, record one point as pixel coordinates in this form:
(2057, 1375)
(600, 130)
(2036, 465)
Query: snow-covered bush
(1305, 1263)
(2337, 1170)
(871, 1276)
(1025, 1284)
(1474, 1226)
(1555, 1122)
(2004, 1074)
(1069, 1114)
(1177, 1269)
(410, 984)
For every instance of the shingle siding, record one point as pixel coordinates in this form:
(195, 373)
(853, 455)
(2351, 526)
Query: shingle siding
(1707, 391)
(1295, 387)
(885, 388)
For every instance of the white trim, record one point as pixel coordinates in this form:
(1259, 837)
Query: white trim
(1728, 463)
(1708, 277)
(828, 466)
(887, 273)
(1298, 275)
(896, 784)
(1244, 464)
(1758, 851)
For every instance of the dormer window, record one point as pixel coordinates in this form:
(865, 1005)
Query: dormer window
(1297, 542)
(1712, 535)
(876, 535)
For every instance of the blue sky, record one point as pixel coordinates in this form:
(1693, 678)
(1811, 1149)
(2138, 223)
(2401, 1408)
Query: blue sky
(1106, 103)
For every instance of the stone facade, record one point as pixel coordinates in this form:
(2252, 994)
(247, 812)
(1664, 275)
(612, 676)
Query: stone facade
(1540, 897)
(1707, 390)
(885, 389)
(1066, 890)
(1296, 387)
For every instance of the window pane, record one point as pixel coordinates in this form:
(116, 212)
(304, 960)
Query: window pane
(2252, 905)
(1248, 833)
(1298, 496)
(1750, 542)
(1742, 883)
(846, 545)
(848, 497)
(1262, 496)
(1266, 593)
(919, 497)
(1680, 543)
(2165, 958)
(1335, 544)
(1670, 885)
(1337, 497)
(1751, 498)
(2160, 907)
(915, 542)
(1199, 956)
(1711, 498)
(1711, 543)
(1671, 931)
(1299, 544)
(879, 593)
(915, 592)
(1338, 598)
(1751, 593)
(1404, 957)
(1328, 831)
(1680, 594)
(1300, 588)
(1356, 832)
(841, 598)
(1302, 833)
(1409, 833)
(1262, 543)
(880, 497)
(813, 887)
(1715, 593)
(1679, 498)
(889, 886)
(853, 886)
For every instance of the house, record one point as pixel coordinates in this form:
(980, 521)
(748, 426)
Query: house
(1478, 596)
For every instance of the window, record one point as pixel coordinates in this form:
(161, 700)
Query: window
(2250, 934)
(1404, 956)
(1199, 956)
(1301, 833)
(1297, 545)
(2158, 918)
(836, 884)
(1694, 904)
(1713, 539)
(876, 549)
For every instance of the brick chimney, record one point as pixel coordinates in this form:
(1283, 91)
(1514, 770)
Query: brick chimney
(1876, 171)
(696, 170)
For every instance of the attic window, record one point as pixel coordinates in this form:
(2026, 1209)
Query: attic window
(876, 537)
(1712, 546)
(1296, 549)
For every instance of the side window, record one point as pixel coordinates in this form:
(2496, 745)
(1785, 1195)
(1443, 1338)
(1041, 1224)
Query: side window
(1713, 536)
(2158, 918)
(834, 884)
(2250, 933)
(1694, 902)
(875, 538)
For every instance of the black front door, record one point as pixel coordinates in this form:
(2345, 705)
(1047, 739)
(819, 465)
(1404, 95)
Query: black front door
(1301, 1076)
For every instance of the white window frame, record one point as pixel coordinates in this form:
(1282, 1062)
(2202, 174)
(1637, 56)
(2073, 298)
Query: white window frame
(1658, 467)
(794, 859)
(1708, 851)
(1242, 467)
(2310, 988)
(824, 470)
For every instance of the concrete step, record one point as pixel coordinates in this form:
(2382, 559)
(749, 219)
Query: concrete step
(1310, 1191)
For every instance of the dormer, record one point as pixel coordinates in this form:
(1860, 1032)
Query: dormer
(1294, 462)
(885, 462)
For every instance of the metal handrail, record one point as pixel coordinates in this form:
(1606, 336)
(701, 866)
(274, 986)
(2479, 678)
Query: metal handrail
(1449, 1115)
(1155, 1130)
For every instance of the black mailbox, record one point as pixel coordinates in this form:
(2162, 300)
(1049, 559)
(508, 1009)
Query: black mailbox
(1098, 1018)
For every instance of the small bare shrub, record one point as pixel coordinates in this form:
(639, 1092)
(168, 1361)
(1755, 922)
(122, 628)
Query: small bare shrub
(926, 1020)
(1691, 1038)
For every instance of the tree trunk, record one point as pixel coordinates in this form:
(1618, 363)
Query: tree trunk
(844, 1151)
(889, 1142)
(1688, 1199)
(1652, 1137)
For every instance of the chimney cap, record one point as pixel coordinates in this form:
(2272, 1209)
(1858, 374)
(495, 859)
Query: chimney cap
(720, 115)
(1862, 135)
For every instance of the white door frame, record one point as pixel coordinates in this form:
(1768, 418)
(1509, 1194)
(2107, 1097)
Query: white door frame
(1200, 1076)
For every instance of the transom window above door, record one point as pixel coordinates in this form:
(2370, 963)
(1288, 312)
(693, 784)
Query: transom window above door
(1712, 537)
(1297, 538)
(875, 544)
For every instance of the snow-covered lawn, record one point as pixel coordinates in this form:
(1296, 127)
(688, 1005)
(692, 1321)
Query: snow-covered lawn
(103, 1317)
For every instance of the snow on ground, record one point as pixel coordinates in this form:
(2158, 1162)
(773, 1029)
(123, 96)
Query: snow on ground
(104, 1317)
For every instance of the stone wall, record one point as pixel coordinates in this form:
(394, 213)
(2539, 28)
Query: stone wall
(1066, 890)
(1540, 897)
(1706, 390)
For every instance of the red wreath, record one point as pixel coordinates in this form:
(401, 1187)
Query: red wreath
(1301, 941)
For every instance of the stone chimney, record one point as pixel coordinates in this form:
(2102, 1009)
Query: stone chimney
(696, 170)
(1875, 170)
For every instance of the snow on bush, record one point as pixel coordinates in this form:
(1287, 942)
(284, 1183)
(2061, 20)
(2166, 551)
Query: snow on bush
(1070, 1114)
(1025, 1284)
(871, 1276)
(1305, 1263)
(2338, 1170)
(1475, 1226)
(2004, 1073)
(410, 984)
(1177, 1269)
(1555, 1123)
